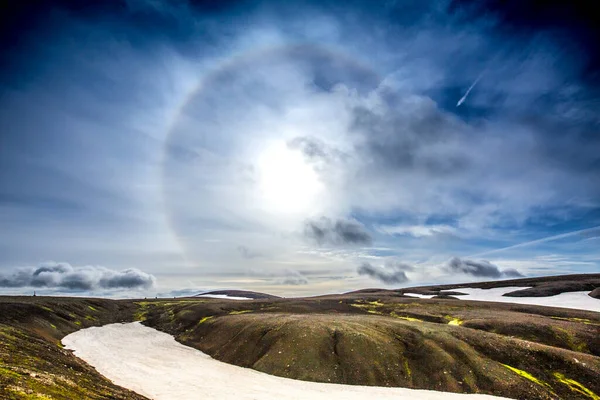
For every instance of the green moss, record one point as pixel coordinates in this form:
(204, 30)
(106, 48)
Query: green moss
(90, 318)
(92, 308)
(53, 326)
(526, 375)
(4, 333)
(46, 308)
(236, 312)
(576, 386)
(453, 321)
(580, 320)
(406, 318)
(407, 368)
(142, 310)
(368, 306)
(59, 344)
(571, 341)
(78, 323)
(203, 320)
(9, 373)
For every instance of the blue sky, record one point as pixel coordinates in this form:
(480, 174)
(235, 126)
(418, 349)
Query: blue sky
(151, 146)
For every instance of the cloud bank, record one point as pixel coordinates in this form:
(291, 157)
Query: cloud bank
(84, 278)
(325, 231)
(391, 272)
(293, 278)
(480, 268)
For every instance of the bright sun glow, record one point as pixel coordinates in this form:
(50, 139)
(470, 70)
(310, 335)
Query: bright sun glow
(287, 183)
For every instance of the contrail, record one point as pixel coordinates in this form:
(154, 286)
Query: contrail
(537, 241)
(462, 99)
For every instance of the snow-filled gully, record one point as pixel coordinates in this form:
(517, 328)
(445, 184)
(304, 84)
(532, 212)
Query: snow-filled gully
(153, 364)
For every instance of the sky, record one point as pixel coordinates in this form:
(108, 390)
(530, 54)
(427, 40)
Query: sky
(163, 148)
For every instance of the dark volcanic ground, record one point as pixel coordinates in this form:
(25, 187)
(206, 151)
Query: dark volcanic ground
(370, 337)
(540, 287)
(33, 364)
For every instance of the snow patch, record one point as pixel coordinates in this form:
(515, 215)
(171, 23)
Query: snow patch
(575, 300)
(153, 364)
(223, 296)
(420, 296)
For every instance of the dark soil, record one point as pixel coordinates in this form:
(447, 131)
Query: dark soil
(371, 337)
(244, 293)
(540, 287)
(524, 352)
(33, 363)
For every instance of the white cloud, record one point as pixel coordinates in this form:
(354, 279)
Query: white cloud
(417, 230)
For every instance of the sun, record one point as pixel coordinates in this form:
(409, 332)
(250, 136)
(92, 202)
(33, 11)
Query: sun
(287, 184)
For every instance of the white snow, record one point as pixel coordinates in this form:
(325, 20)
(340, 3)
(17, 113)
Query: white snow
(420, 296)
(153, 364)
(223, 296)
(576, 300)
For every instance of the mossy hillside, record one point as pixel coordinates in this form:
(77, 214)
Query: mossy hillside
(575, 386)
(391, 341)
(33, 363)
(568, 329)
(385, 340)
(370, 350)
(578, 332)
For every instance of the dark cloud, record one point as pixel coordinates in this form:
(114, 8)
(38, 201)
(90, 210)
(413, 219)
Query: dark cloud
(65, 276)
(245, 252)
(286, 277)
(409, 133)
(293, 278)
(480, 268)
(311, 147)
(325, 231)
(398, 266)
(389, 273)
(317, 151)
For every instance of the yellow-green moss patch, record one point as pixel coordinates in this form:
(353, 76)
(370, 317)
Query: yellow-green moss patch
(407, 368)
(526, 375)
(236, 312)
(9, 372)
(368, 306)
(572, 342)
(576, 386)
(406, 318)
(92, 308)
(453, 320)
(203, 320)
(580, 320)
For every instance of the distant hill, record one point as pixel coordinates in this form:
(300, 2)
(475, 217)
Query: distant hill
(540, 287)
(369, 337)
(240, 293)
(512, 350)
